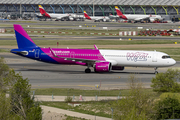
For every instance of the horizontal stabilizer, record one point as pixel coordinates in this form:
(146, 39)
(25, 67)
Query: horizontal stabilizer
(20, 52)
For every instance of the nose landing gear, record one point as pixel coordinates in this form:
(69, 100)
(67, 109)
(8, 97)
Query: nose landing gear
(156, 72)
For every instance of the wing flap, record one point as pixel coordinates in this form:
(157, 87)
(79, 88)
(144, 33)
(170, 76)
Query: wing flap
(80, 60)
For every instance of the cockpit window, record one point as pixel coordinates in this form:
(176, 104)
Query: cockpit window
(165, 56)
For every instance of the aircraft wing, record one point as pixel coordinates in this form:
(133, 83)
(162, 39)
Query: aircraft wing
(113, 16)
(80, 60)
(75, 59)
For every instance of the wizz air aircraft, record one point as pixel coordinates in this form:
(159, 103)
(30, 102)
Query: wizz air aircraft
(137, 17)
(96, 18)
(100, 60)
(52, 15)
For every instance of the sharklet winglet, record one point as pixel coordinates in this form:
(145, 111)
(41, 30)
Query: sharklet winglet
(54, 54)
(95, 47)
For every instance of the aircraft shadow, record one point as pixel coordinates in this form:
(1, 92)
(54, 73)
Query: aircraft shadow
(57, 71)
(82, 72)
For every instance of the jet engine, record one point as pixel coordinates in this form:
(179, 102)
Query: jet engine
(117, 67)
(152, 19)
(71, 18)
(102, 67)
(104, 20)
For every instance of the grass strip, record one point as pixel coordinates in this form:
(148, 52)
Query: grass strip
(91, 42)
(4, 50)
(77, 92)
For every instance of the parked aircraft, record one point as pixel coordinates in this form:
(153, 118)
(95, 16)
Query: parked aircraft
(137, 17)
(113, 16)
(52, 15)
(100, 60)
(96, 18)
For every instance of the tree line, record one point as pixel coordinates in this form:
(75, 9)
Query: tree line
(163, 103)
(16, 102)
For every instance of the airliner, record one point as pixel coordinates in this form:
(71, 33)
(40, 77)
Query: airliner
(100, 60)
(96, 18)
(137, 17)
(113, 16)
(52, 15)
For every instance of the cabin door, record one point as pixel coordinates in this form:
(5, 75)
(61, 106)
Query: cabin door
(72, 54)
(154, 58)
(37, 53)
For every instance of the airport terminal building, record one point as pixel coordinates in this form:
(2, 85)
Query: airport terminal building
(101, 7)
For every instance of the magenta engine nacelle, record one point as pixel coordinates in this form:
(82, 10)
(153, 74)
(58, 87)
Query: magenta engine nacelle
(102, 67)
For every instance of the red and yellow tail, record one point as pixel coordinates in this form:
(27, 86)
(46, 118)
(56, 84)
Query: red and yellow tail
(86, 15)
(43, 12)
(119, 13)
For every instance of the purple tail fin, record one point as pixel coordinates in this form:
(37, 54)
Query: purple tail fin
(23, 39)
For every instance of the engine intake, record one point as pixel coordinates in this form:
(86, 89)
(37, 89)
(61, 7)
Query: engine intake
(102, 67)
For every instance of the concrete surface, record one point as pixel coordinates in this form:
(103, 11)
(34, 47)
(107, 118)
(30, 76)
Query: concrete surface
(47, 109)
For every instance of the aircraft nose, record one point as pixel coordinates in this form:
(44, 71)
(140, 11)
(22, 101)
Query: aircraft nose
(173, 62)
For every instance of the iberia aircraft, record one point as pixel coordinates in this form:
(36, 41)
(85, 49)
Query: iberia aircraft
(96, 18)
(100, 60)
(52, 15)
(137, 17)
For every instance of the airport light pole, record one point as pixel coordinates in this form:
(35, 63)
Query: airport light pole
(93, 7)
(20, 10)
(77, 8)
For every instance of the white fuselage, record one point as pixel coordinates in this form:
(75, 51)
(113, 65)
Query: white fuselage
(57, 16)
(99, 18)
(132, 58)
(142, 17)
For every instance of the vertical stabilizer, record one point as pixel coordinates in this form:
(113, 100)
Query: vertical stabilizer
(22, 38)
(119, 13)
(86, 15)
(41, 9)
(43, 12)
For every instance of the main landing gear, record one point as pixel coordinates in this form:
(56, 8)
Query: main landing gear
(87, 70)
(156, 72)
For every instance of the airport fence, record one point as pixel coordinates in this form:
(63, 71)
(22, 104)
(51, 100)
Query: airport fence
(2, 30)
(121, 33)
(128, 33)
(68, 33)
(80, 95)
(154, 33)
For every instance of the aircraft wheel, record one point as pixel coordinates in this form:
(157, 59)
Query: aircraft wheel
(156, 72)
(87, 70)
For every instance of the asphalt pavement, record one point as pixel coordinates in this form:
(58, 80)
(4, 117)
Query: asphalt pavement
(45, 75)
